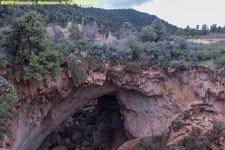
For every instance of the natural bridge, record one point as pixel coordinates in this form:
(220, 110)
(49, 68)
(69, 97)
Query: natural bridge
(149, 101)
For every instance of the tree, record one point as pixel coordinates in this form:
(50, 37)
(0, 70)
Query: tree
(136, 51)
(197, 27)
(213, 28)
(205, 29)
(33, 54)
(5, 11)
(219, 30)
(74, 32)
(28, 34)
(160, 30)
(148, 34)
(127, 25)
(180, 32)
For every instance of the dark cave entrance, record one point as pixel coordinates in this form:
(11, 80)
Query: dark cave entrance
(98, 126)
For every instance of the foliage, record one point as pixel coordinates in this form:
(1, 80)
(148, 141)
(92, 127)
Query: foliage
(34, 56)
(8, 98)
(46, 63)
(133, 67)
(148, 34)
(205, 29)
(136, 50)
(198, 142)
(95, 65)
(57, 14)
(177, 124)
(116, 17)
(5, 13)
(180, 32)
(221, 64)
(160, 29)
(28, 34)
(28, 49)
(107, 20)
(2, 61)
(78, 71)
(74, 32)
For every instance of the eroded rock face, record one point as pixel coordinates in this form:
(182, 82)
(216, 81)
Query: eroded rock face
(149, 101)
(200, 118)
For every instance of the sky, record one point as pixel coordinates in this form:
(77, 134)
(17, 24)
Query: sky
(177, 12)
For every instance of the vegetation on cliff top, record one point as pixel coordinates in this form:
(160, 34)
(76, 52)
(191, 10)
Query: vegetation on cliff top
(26, 48)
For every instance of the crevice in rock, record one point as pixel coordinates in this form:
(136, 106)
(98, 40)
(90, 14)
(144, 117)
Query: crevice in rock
(98, 126)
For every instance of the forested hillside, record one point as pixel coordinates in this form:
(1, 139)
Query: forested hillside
(108, 20)
(119, 16)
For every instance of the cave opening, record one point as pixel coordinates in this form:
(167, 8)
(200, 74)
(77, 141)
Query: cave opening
(97, 126)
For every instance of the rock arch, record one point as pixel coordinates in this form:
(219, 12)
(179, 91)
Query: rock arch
(150, 100)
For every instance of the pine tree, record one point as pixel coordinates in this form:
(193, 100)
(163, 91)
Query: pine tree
(74, 32)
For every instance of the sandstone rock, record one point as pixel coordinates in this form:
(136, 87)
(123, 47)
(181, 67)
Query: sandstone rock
(150, 101)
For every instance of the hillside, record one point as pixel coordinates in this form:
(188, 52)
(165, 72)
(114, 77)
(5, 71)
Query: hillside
(110, 20)
(119, 16)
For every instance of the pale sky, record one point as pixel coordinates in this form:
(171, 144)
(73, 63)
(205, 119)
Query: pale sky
(177, 12)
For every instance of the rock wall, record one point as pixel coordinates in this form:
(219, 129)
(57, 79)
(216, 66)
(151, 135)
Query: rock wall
(149, 100)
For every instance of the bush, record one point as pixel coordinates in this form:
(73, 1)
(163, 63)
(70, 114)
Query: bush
(148, 34)
(78, 72)
(2, 61)
(133, 67)
(46, 63)
(8, 98)
(153, 143)
(177, 124)
(95, 65)
(74, 32)
(160, 29)
(136, 51)
(177, 54)
(221, 63)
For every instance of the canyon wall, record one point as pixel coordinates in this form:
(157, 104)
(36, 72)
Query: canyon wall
(150, 101)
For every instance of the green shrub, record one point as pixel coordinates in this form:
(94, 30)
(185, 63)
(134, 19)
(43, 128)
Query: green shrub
(46, 63)
(78, 72)
(8, 98)
(96, 65)
(221, 63)
(177, 54)
(2, 61)
(148, 34)
(177, 124)
(136, 51)
(74, 32)
(133, 67)
(143, 145)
